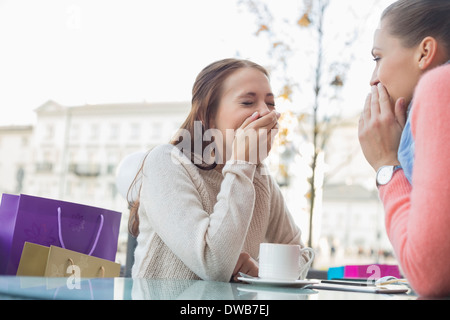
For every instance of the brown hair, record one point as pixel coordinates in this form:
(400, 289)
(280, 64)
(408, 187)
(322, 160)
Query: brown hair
(413, 20)
(206, 95)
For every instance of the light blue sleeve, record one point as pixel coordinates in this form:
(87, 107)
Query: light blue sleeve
(406, 149)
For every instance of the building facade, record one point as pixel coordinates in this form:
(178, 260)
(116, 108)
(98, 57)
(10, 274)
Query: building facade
(76, 150)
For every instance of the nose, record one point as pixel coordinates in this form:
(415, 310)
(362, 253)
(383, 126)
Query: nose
(263, 108)
(374, 79)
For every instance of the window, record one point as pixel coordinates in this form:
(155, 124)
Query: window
(156, 131)
(135, 131)
(49, 132)
(24, 141)
(75, 132)
(114, 131)
(95, 131)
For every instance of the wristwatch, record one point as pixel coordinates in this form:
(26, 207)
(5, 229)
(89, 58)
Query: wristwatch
(385, 173)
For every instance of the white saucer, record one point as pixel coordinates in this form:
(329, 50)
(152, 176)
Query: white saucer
(279, 283)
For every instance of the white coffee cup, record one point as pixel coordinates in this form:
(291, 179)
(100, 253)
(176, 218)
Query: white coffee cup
(283, 261)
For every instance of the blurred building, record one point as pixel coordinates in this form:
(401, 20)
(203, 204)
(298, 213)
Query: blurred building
(352, 215)
(76, 150)
(15, 157)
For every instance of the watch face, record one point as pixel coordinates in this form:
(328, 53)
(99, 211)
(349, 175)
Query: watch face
(385, 175)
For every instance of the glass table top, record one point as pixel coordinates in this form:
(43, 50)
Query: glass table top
(12, 287)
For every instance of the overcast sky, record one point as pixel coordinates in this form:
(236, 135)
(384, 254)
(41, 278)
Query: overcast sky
(94, 51)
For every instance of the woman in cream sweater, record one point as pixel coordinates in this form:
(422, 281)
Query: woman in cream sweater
(204, 207)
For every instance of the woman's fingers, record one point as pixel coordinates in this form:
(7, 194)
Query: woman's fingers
(365, 115)
(385, 104)
(378, 104)
(394, 111)
(250, 119)
(269, 121)
(253, 140)
(245, 264)
(400, 111)
(374, 102)
(380, 127)
(262, 121)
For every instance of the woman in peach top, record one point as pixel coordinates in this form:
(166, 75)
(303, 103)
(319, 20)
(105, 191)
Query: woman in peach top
(409, 106)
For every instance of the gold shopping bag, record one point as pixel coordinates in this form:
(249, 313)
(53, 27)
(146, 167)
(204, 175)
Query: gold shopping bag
(42, 261)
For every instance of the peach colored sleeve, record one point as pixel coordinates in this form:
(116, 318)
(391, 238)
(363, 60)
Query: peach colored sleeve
(418, 218)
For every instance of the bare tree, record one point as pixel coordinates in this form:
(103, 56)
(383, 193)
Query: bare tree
(316, 122)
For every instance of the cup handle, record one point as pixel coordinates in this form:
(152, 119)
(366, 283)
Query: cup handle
(306, 266)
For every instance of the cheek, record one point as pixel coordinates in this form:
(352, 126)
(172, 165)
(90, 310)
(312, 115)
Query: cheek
(390, 75)
(399, 79)
(230, 120)
(384, 73)
(224, 122)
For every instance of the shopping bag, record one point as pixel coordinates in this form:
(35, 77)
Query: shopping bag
(89, 230)
(42, 261)
(373, 271)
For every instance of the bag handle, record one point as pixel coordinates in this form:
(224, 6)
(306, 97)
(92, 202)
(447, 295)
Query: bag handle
(96, 237)
(102, 268)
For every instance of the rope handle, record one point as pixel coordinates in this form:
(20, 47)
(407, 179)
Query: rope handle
(96, 237)
(72, 264)
(102, 268)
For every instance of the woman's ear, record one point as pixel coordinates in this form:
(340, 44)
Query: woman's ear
(427, 52)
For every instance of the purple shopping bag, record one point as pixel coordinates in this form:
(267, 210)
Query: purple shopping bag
(85, 229)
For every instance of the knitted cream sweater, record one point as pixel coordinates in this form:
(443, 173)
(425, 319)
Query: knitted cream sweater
(194, 223)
